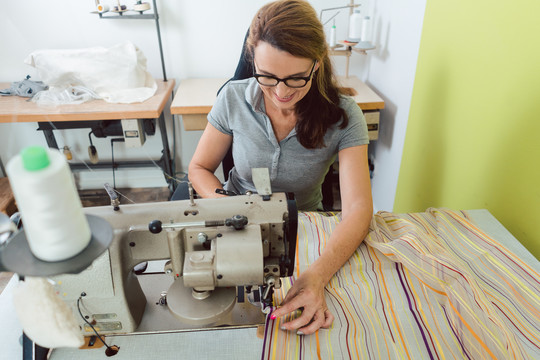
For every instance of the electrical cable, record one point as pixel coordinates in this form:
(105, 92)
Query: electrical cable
(112, 158)
(90, 137)
(92, 151)
(111, 350)
(112, 164)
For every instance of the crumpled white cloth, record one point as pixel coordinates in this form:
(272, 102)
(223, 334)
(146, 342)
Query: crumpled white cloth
(44, 317)
(116, 74)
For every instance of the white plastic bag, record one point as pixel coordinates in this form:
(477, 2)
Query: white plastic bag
(117, 74)
(65, 95)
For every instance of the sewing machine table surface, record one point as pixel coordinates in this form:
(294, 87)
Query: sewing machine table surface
(239, 343)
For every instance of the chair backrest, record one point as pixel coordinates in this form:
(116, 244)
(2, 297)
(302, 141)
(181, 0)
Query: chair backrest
(244, 70)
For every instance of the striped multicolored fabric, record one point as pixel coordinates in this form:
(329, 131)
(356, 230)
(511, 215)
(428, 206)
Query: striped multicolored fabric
(422, 286)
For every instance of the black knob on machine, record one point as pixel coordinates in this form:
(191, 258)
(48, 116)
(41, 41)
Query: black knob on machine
(237, 221)
(155, 226)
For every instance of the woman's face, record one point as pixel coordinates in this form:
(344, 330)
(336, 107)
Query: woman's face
(281, 64)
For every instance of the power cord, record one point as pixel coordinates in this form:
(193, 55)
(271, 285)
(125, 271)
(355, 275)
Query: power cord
(112, 158)
(92, 151)
(111, 350)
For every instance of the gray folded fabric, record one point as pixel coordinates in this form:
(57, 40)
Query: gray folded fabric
(25, 88)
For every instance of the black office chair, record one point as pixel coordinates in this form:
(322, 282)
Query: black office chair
(245, 70)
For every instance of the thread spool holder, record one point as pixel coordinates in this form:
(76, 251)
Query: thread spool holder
(153, 16)
(345, 48)
(16, 256)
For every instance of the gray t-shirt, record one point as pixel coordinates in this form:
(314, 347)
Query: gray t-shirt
(239, 111)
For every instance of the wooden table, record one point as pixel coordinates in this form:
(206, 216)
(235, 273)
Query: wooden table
(195, 97)
(7, 200)
(17, 109)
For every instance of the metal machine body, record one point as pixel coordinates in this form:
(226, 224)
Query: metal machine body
(212, 247)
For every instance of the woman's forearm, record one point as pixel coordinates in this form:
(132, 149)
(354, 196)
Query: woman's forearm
(344, 241)
(204, 182)
(210, 151)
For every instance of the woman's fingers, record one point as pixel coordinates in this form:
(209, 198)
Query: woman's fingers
(307, 295)
(287, 307)
(306, 318)
(328, 319)
(317, 322)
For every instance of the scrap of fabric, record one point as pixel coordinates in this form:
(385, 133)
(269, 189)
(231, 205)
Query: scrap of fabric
(421, 286)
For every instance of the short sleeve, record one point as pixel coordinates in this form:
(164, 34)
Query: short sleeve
(356, 132)
(219, 115)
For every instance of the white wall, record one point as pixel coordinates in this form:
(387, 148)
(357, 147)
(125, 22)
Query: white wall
(390, 72)
(204, 39)
(199, 40)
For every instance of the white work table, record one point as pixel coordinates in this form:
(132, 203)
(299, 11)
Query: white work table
(235, 344)
(209, 344)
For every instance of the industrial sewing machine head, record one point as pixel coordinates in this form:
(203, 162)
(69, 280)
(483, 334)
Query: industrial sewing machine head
(216, 253)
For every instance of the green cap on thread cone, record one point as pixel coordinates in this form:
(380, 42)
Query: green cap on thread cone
(35, 158)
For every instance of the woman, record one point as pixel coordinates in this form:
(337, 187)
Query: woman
(291, 119)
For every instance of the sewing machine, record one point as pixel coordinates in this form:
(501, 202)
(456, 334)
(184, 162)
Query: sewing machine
(217, 255)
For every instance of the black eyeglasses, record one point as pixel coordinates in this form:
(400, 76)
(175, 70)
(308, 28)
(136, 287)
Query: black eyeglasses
(292, 82)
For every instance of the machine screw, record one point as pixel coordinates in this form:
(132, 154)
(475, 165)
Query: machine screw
(162, 299)
(202, 237)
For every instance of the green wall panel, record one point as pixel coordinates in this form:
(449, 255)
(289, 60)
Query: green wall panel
(473, 135)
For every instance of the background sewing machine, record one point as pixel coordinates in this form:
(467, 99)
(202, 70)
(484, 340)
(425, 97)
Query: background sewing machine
(221, 252)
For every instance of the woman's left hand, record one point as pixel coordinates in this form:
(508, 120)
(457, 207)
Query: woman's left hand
(306, 294)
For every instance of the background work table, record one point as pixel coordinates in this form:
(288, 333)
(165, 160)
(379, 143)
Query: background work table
(195, 97)
(16, 109)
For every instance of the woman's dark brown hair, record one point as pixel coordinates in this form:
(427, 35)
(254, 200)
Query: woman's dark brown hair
(293, 26)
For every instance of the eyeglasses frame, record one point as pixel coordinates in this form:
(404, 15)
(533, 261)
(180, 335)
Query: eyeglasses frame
(305, 78)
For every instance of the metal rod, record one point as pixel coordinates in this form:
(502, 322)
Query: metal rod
(333, 16)
(184, 225)
(117, 165)
(167, 167)
(159, 41)
(2, 168)
(339, 7)
(49, 137)
(191, 197)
